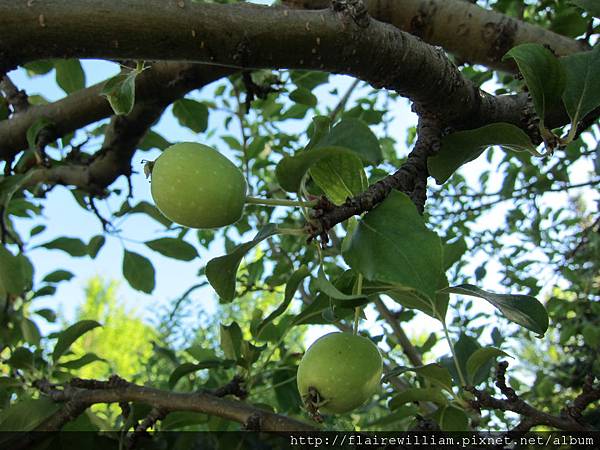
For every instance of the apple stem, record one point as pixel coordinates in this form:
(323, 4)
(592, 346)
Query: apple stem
(279, 202)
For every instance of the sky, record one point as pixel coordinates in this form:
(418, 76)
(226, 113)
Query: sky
(64, 217)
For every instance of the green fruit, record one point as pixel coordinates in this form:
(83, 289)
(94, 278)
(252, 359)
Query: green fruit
(343, 369)
(196, 186)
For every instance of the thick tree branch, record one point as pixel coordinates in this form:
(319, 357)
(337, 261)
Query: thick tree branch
(250, 36)
(79, 394)
(163, 82)
(473, 34)
(125, 132)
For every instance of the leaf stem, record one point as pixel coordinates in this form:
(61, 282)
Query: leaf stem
(292, 231)
(279, 202)
(454, 357)
(358, 291)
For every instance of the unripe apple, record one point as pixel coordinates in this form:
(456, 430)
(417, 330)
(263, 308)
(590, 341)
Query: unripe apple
(339, 372)
(196, 186)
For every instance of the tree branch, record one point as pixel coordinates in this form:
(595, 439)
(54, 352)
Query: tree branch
(250, 36)
(79, 394)
(485, 35)
(569, 420)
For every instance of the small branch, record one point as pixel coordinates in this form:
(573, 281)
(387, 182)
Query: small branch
(234, 387)
(342, 103)
(569, 420)
(409, 350)
(15, 97)
(79, 394)
(411, 179)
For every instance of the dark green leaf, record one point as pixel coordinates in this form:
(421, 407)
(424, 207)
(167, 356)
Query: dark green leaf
(191, 114)
(544, 75)
(451, 418)
(30, 332)
(12, 273)
(326, 287)
(392, 245)
(304, 97)
(153, 140)
(453, 251)
(434, 395)
(21, 358)
(120, 92)
(591, 6)
(290, 289)
(69, 75)
(138, 271)
(221, 272)
(463, 146)
(355, 135)
(231, 341)
(78, 363)
(435, 373)
(72, 246)
(173, 248)
(187, 368)
(27, 414)
(33, 132)
(524, 310)
(480, 358)
(291, 169)
(57, 276)
(47, 314)
(144, 208)
(70, 335)
(39, 67)
(582, 91)
(95, 245)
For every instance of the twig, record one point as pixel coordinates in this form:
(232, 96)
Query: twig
(15, 97)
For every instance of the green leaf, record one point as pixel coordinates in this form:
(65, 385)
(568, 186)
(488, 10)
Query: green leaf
(70, 335)
(187, 368)
(453, 251)
(480, 358)
(392, 245)
(72, 246)
(144, 208)
(12, 273)
(173, 248)
(340, 177)
(21, 358)
(30, 332)
(451, 418)
(69, 75)
(433, 394)
(221, 272)
(191, 114)
(33, 132)
(463, 146)
(318, 129)
(231, 341)
(304, 97)
(138, 271)
(435, 373)
(39, 67)
(582, 91)
(27, 414)
(120, 92)
(544, 75)
(290, 289)
(524, 310)
(591, 6)
(291, 169)
(57, 276)
(327, 288)
(78, 363)
(355, 135)
(95, 245)
(153, 140)
(47, 314)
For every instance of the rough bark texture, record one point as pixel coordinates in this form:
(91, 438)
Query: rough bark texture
(473, 34)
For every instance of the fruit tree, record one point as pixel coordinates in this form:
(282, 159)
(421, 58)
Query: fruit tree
(414, 183)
